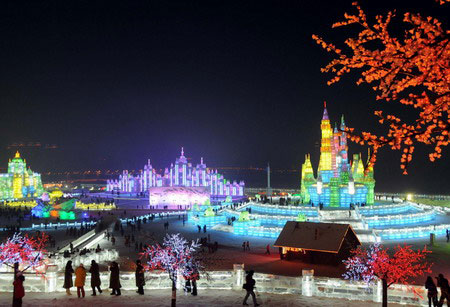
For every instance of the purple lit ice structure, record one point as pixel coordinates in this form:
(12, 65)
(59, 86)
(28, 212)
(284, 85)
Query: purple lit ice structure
(178, 197)
(180, 174)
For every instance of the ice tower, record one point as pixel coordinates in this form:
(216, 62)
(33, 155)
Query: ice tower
(339, 183)
(325, 168)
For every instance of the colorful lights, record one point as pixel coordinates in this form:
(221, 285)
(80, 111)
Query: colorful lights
(28, 251)
(175, 256)
(67, 215)
(62, 211)
(325, 146)
(244, 228)
(20, 204)
(338, 182)
(400, 219)
(276, 210)
(173, 197)
(94, 206)
(244, 216)
(56, 194)
(209, 212)
(19, 182)
(180, 174)
(388, 222)
(301, 217)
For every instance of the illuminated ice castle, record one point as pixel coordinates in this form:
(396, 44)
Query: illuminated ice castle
(339, 182)
(20, 182)
(180, 174)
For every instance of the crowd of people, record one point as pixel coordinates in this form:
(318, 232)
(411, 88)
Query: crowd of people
(80, 278)
(114, 278)
(190, 286)
(13, 217)
(86, 198)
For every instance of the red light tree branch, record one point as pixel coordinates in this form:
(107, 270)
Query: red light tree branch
(413, 71)
(27, 251)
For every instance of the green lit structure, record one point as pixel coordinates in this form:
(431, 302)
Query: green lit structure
(339, 182)
(20, 182)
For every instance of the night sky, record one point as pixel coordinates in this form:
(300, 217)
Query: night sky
(113, 83)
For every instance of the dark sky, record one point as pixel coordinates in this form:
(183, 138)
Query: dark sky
(113, 83)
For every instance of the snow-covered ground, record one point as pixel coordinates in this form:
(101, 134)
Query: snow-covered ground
(162, 298)
(230, 247)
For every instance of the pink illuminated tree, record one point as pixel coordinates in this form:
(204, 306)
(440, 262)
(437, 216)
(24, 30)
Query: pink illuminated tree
(175, 256)
(23, 250)
(376, 263)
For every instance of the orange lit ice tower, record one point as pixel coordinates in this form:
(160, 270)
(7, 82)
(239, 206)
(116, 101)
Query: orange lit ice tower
(338, 183)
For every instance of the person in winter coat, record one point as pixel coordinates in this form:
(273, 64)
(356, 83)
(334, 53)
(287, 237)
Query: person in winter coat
(19, 290)
(114, 280)
(95, 277)
(432, 291)
(140, 278)
(195, 277)
(68, 283)
(249, 286)
(442, 283)
(80, 279)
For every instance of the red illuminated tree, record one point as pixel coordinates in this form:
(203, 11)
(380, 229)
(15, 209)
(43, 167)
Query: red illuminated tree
(23, 251)
(26, 251)
(412, 70)
(375, 262)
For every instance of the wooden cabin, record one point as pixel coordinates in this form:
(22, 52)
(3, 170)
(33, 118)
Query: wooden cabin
(318, 243)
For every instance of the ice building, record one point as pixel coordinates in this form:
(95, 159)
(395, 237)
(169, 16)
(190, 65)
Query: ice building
(180, 174)
(19, 182)
(339, 182)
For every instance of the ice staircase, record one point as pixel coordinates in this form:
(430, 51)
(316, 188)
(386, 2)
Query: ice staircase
(352, 217)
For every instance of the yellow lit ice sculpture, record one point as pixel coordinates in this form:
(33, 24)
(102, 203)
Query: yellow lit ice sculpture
(339, 182)
(19, 182)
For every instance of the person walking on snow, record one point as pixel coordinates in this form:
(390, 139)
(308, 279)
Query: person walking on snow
(68, 282)
(140, 278)
(442, 283)
(19, 290)
(95, 277)
(249, 286)
(432, 292)
(80, 279)
(114, 279)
